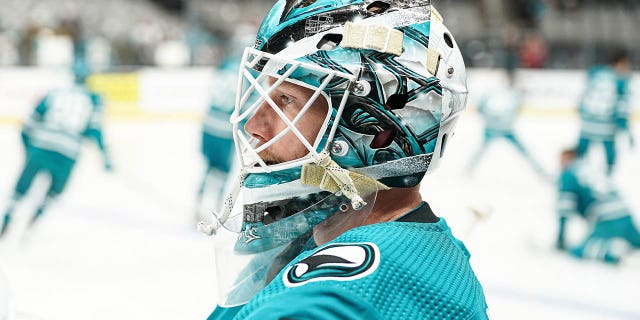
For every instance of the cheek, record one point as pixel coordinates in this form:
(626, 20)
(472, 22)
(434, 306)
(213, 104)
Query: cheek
(275, 123)
(310, 126)
(315, 118)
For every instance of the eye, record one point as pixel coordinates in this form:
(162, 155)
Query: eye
(284, 99)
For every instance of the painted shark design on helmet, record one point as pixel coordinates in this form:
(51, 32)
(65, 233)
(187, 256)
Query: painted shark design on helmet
(400, 106)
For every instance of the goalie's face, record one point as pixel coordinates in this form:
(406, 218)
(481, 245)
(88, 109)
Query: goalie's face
(266, 124)
(282, 117)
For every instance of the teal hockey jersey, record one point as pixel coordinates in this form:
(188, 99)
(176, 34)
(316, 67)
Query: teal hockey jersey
(412, 268)
(589, 193)
(624, 102)
(499, 109)
(604, 106)
(223, 95)
(62, 119)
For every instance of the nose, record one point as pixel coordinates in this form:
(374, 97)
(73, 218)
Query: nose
(259, 125)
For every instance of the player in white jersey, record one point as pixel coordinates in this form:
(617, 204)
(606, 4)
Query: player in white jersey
(499, 109)
(53, 137)
(604, 107)
(357, 101)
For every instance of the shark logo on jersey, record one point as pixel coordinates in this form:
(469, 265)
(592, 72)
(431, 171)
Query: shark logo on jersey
(337, 261)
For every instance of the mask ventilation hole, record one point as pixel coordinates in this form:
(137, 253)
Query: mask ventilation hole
(396, 101)
(330, 41)
(383, 139)
(275, 213)
(378, 7)
(448, 40)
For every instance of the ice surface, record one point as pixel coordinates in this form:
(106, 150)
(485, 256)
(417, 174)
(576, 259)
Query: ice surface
(118, 245)
(512, 251)
(122, 245)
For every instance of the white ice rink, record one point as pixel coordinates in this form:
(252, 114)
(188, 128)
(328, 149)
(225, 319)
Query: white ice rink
(121, 245)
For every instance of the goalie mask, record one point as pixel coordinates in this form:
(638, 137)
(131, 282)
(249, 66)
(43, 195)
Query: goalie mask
(337, 100)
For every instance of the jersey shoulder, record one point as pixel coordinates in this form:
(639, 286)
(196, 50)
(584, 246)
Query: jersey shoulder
(419, 268)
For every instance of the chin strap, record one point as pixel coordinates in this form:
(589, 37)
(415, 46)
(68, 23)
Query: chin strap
(328, 175)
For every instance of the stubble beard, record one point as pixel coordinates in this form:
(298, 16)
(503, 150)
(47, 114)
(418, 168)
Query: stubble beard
(271, 158)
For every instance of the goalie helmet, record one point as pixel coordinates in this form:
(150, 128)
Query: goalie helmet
(390, 71)
(383, 83)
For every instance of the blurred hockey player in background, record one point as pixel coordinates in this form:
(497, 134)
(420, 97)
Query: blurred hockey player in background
(604, 107)
(217, 138)
(499, 111)
(588, 193)
(357, 101)
(53, 136)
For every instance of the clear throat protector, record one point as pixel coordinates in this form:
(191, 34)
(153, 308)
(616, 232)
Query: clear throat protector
(252, 248)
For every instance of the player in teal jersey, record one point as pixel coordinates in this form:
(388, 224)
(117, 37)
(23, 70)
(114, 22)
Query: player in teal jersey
(53, 137)
(591, 195)
(217, 139)
(357, 102)
(499, 110)
(604, 108)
